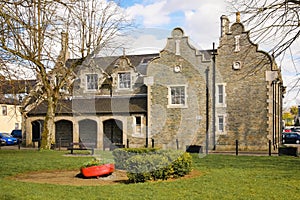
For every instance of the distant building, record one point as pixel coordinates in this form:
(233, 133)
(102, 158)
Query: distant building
(177, 98)
(12, 93)
(10, 115)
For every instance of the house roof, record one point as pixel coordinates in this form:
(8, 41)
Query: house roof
(9, 101)
(99, 105)
(109, 63)
(16, 86)
(11, 89)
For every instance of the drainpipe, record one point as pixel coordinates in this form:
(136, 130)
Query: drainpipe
(214, 98)
(273, 112)
(148, 81)
(207, 111)
(278, 114)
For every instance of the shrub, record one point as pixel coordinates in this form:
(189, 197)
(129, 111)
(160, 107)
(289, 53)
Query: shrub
(159, 165)
(138, 169)
(121, 155)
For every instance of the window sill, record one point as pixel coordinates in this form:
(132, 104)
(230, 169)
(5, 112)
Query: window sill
(177, 106)
(138, 135)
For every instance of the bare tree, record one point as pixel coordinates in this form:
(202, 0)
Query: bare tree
(275, 24)
(275, 21)
(30, 33)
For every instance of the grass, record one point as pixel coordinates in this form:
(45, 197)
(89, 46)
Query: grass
(223, 177)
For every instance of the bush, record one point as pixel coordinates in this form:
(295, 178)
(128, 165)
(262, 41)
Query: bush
(121, 155)
(159, 165)
(138, 169)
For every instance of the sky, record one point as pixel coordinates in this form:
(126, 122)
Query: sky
(200, 20)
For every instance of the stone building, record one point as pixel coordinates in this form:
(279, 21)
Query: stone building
(180, 97)
(248, 91)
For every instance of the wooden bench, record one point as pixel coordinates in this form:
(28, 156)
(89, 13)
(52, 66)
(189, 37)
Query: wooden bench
(81, 146)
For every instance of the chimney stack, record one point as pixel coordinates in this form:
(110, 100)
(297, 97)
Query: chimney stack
(224, 25)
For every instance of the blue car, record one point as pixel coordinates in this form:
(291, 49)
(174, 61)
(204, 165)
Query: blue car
(9, 140)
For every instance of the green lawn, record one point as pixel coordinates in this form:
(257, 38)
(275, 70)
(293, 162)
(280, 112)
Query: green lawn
(223, 177)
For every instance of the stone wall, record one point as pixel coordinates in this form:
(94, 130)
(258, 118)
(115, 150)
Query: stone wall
(185, 124)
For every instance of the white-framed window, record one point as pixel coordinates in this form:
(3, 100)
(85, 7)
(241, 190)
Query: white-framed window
(138, 125)
(4, 110)
(92, 81)
(221, 124)
(124, 80)
(16, 125)
(220, 95)
(177, 96)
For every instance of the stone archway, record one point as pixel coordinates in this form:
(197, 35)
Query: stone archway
(113, 133)
(88, 131)
(63, 133)
(37, 129)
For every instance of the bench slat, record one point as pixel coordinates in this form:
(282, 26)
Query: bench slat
(81, 146)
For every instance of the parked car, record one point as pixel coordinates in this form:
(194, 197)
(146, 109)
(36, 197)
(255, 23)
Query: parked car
(17, 133)
(295, 129)
(286, 130)
(2, 142)
(291, 138)
(9, 140)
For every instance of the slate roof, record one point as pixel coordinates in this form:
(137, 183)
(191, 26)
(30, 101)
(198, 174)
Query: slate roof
(99, 105)
(108, 63)
(9, 101)
(16, 86)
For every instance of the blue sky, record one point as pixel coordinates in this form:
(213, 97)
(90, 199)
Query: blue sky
(200, 20)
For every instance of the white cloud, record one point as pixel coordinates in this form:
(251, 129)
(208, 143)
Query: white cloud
(152, 14)
(144, 43)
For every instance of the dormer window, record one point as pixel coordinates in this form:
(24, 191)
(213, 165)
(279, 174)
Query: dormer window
(124, 79)
(92, 81)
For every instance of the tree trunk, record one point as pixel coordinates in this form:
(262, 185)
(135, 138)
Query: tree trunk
(48, 135)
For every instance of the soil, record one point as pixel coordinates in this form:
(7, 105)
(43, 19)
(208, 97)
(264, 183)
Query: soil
(76, 179)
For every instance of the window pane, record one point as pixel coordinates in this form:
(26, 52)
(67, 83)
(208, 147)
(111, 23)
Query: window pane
(221, 123)
(92, 81)
(138, 120)
(4, 110)
(124, 80)
(178, 95)
(138, 124)
(220, 93)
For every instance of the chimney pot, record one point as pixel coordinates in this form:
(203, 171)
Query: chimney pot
(238, 17)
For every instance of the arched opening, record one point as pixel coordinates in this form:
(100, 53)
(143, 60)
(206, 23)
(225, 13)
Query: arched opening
(63, 133)
(88, 131)
(113, 133)
(37, 129)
